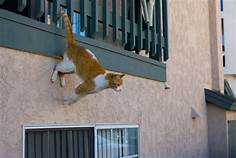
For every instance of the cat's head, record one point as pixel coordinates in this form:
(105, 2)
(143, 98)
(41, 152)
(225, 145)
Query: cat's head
(115, 81)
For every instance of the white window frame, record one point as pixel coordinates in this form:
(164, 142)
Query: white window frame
(95, 126)
(114, 127)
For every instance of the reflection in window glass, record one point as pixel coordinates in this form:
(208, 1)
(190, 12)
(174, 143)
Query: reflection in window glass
(76, 24)
(117, 143)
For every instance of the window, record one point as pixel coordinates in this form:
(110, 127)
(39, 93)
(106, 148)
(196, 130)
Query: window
(96, 141)
(117, 143)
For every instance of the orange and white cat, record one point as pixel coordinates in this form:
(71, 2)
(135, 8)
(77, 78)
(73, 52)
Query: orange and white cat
(84, 63)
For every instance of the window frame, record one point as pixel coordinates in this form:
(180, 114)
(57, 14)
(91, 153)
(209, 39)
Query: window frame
(116, 127)
(94, 126)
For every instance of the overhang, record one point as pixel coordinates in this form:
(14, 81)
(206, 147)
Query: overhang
(220, 100)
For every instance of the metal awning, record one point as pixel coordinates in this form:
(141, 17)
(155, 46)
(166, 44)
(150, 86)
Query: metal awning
(221, 100)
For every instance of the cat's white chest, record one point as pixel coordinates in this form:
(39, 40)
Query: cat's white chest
(101, 82)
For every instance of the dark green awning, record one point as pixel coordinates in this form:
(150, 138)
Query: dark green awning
(221, 100)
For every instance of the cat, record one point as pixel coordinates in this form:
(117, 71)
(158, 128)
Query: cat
(85, 64)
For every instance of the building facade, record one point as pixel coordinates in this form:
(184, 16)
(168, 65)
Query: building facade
(221, 110)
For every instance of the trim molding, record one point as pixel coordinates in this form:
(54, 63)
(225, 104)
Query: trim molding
(220, 100)
(29, 35)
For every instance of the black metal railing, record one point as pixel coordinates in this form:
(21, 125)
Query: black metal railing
(118, 22)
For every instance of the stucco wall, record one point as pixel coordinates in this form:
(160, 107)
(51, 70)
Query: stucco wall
(217, 132)
(167, 130)
(215, 45)
(231, 115)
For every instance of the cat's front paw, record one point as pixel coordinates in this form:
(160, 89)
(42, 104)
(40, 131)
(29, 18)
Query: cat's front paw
(68, 101)
(54, 76)
(62, 80)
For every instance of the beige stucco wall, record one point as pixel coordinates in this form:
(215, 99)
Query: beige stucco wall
(217, 132)
(231, 115)
(218, 135)
(167, 130)
(215, 45)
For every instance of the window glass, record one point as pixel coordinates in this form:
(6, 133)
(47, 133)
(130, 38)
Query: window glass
(116, 143)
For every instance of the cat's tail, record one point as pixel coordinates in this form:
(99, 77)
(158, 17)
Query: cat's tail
(70, 35)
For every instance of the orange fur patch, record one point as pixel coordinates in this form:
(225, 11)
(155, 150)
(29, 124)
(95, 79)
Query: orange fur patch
(85, 87)
(86, 66)
(115, 80)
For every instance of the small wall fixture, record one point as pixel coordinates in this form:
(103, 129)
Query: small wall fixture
(194, 113)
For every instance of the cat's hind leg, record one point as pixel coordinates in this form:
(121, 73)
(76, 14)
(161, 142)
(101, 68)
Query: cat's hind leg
(81, 90)
(62, 79)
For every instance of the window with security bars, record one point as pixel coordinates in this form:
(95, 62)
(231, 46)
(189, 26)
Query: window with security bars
(81, 142)
(59, 143)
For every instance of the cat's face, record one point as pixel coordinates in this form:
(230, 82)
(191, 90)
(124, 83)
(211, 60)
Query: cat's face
(115, 81)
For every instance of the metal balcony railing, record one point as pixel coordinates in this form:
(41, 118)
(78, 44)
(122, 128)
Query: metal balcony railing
(118, 22)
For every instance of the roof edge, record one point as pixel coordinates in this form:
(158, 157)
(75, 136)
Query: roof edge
(220, 100)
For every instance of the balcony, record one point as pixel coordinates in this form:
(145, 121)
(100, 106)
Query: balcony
(113, 29)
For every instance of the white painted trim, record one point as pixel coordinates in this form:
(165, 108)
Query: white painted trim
(95, 143)
(139, 142)
(23, 141)
(115, 126)
(131, 156)
(56, 126)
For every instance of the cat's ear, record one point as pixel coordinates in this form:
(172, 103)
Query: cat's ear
(122, 75)
(110, 76)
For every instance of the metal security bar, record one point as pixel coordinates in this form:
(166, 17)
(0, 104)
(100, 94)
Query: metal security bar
(119, 20)
(59, 143)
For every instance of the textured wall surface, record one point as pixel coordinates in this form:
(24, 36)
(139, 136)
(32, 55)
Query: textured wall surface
(217, 132)
(167, 130)
(231, 115)
(216, 45)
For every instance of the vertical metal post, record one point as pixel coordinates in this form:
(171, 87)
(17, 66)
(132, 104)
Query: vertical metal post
(124, 18)
(105, 18)
(94, 17)
(114, 19)
(165, 28)
(158, 29)
(21, 4)
(39, 8)
(83, 16)
(154, 37)
(56, 10)
(140, 26)
(70, 11)
(132, 24)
